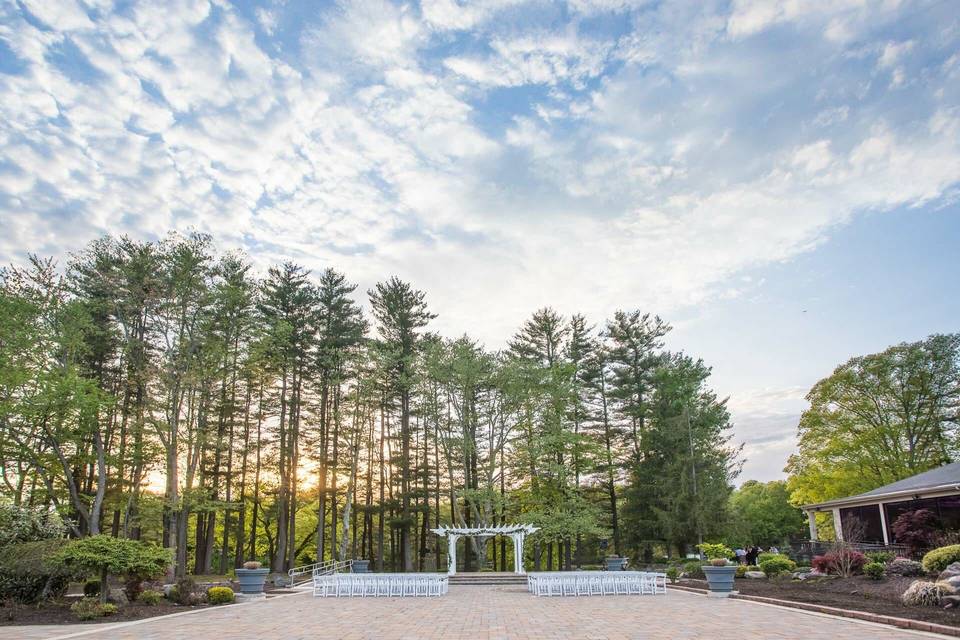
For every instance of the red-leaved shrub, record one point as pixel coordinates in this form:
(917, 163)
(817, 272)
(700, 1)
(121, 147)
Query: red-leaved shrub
(840, 562)
(916, 529)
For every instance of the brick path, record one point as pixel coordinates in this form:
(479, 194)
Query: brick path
(491, 613)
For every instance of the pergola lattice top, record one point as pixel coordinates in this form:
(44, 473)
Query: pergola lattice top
(499, 530)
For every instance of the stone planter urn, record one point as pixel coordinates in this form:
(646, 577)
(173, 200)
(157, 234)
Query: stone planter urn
(720, 579)
(360, 566)
(251, 578)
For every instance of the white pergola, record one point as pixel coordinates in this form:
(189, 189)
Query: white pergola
(516, 531)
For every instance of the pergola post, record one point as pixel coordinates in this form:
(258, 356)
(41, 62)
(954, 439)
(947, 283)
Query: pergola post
(452, 554)
(812, 517)
(837, 525)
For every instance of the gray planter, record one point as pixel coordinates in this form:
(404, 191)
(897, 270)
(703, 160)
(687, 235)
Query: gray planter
(615, 563)
(251, 580)
(720, 579)
(360, 566)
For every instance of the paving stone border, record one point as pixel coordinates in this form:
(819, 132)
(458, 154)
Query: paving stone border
(900, 623)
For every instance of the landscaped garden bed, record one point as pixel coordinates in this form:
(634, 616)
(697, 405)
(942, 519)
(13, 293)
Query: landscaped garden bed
(858, 593)
(59, 612)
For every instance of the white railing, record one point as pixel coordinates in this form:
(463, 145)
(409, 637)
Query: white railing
(363, 585)
(318, 569)
(596, 583)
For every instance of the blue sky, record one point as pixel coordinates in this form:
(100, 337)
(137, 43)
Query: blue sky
(779, 180)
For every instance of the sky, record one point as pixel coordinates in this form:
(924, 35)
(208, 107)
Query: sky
(779, 181)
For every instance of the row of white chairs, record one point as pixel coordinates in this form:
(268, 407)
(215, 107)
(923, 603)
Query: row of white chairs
(596, 583)
(363, 585)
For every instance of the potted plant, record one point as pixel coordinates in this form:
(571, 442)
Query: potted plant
(251, 577)
(720, 572)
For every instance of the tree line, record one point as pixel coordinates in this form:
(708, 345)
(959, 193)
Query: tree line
(166, 391)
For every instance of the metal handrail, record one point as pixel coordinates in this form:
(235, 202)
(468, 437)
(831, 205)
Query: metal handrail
(319, 569)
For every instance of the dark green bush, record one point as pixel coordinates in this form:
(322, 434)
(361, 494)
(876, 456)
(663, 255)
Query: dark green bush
(150, 597)
(30, 572)
(874, 570)
(883, 557)
(185, 591)
(673, 573)
(91, 588)
(220, 595)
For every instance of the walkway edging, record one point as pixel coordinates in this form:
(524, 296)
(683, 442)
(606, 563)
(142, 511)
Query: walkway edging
(178, 614)
(876, 618)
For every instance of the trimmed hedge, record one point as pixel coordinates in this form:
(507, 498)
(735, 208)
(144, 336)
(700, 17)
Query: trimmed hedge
(220, 595)
(939, 559)
(775, 565)
(30, 572)
(874, 570)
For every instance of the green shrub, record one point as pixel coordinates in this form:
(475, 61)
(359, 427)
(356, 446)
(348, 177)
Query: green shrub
(219, 595)
(91, 609)
(874, 570)
(673, 573)
(777, 564)
(30, 572)
(766, 555)
(19, 523)
(923, 593)
(693, 569)
(91, 588)
(715, 550)
(939, 559)
(883, 557)
(150, 597)
(106, 555)
(741, 570)
(185, 591)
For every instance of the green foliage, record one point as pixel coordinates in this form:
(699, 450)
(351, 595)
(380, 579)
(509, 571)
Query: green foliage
(220, 595)
(184, 592)
(883, 557)
(777, 564)
(922, 593)
(715, 551)
(91, 588)
(150, 597)
(693, 569)
(91, 609)
(30, 571)
(874, 570)
(672, 573)
(761, 513)
(105, 555)
(877, 419)
(939, 559)
(20, 523)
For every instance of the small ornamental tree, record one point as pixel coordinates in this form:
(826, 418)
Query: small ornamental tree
(108, 556)
(916, 529)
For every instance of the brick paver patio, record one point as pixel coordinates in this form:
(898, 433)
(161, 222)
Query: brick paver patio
(489, 613)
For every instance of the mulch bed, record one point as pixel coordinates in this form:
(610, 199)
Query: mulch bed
(858, 593)
(58, 612)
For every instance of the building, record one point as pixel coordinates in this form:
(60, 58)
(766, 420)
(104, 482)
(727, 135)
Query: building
(937, 490)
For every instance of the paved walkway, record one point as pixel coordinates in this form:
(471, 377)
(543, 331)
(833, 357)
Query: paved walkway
(488, 613)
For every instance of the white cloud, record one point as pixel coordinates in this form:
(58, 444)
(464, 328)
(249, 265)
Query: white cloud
(641, 169)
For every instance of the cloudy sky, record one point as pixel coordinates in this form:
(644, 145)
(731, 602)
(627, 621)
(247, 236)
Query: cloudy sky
(779, 180)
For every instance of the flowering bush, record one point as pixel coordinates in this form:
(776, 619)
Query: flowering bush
(905, 567)
(29, 524)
